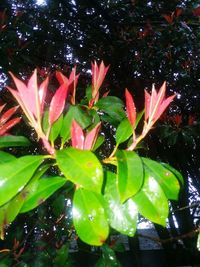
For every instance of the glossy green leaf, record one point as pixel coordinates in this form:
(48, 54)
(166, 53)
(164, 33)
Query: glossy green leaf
(12, 140)
(100, 140)
(113, 106)
(77, 113)
(15, 174)
(39, 190)
(108, 258)
(129, 173)
(166, 179)
(5, 157)
(81, 167)
(89, 217)
(124, 131)
(198, 242)
(151, 201)
(56, 128)
(175, 172)
(122, 217)
(9, 211)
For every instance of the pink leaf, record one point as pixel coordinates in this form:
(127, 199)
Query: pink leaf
(161, 94)
(92, 137)
(6, 116)
(61, 78)
(147, 104)
(26, 97)
(42, 93)
(130, 108)
(77, 135)
(4, 129)
(98, 76)
(2, 107)
(58, 103)
(163, 106)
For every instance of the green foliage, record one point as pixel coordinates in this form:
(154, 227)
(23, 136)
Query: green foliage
(10, 141)
(128, 164)
(81, 167)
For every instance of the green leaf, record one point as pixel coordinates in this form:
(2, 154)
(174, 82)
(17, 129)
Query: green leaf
(81, 167)
(88, 92)
(124, 131)
(39, 190)
(198, 242)
(122, 217)
(15, 175)
(45, 121)
(89, 217)
(151, 201)
(113, 106)
(56, 128)
(166, 179)
(129, 173)
(5, 157)
(175, 172)
(77, 113)
(139, 117)
(99, 142)
(9, 211)
(11, 140)
(62, 257)
(108, 258)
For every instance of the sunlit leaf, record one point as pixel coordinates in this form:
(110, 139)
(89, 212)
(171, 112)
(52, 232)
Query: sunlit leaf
(5, 157)
(166, 179)
(122, 217)
(57, 103)
(77, 135)
(175, 172)
(129, 173)
(15, 174)
(81, 167)
(151, 201)
(89, 217)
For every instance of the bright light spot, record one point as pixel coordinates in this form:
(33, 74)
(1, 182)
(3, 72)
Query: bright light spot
(41, 2)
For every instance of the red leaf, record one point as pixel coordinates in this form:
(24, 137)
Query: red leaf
(168, 18)
(178, 11)
(130, 108)
(196, 11)
(163, 106)
(6, 116)
(77, 135)
(58, 103)
(61, 78)
(147, 104)
(4, 129)
(92, 137)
